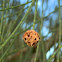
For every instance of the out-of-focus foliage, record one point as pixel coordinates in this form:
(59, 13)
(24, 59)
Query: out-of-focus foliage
(15, 49)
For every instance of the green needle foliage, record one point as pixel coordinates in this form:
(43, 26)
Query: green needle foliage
(16, 27)
(17, 17)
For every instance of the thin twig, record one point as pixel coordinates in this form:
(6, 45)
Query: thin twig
(15, 6)
(59, 30)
